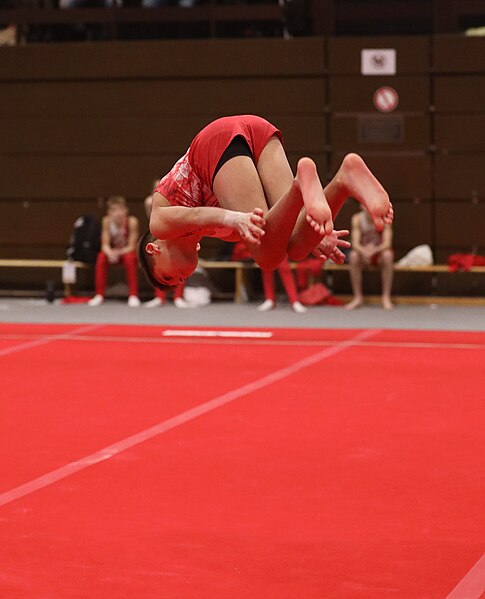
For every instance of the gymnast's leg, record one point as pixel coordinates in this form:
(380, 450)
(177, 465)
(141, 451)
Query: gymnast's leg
(237, 186)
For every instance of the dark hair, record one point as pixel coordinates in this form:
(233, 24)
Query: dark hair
(146, 262)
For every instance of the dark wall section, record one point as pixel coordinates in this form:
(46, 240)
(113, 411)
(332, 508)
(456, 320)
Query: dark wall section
(86, 121)
(459, 103)
(429, 152)
(83, 121)
(395, 145)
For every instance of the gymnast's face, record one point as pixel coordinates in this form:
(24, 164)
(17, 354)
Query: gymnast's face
(172, 262)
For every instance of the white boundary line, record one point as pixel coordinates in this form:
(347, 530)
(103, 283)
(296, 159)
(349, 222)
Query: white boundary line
(250, 341)
(472, 585)
(45, 339)
(182, 418)
(217, 333)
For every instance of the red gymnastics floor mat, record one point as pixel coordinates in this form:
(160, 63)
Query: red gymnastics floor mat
(146, 462)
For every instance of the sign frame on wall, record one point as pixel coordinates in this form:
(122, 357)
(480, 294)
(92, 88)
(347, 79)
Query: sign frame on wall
(378, 61)
(386, 99)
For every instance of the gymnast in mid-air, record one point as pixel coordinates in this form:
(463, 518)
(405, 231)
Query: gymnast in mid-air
(235, 183)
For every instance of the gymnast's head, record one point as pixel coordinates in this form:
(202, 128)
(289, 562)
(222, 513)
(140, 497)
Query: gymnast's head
(167, 262)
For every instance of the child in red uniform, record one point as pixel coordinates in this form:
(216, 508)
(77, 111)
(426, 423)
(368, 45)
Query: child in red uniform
(289, 284)
(235, 183)
(118, 244)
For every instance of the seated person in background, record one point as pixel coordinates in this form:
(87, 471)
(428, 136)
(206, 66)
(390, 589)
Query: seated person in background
(119, 234)
(160, 295)
(370, 248)
(288, 281)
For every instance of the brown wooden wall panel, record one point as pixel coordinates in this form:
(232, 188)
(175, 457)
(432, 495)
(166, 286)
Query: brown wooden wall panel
(99, 135)
(91, 176)
(347, 132)
(459, 94)
(83, 121)
(144, 135)
(412, 54)
(404, 176)
(304, 134)
(344, 217)
(184, 97)
(80, 176)
(460, 176)
(42, 223)
(355, 93)
(16, 252)
(48, 223)
(458, 54)
(460, 133)
(164, 59)
(413, 224)
(460, 224)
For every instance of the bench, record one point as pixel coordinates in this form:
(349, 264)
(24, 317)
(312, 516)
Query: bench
(45, 264)
(238, 267)
(433, 270)
(241, 267)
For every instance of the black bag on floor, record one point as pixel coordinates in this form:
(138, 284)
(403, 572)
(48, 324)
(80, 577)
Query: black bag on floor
(85, 240)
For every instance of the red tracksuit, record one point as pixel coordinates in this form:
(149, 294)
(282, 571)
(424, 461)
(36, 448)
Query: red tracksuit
(286, 278)
(118, 239)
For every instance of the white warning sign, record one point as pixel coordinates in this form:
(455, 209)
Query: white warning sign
(378, 61)
(386, 99)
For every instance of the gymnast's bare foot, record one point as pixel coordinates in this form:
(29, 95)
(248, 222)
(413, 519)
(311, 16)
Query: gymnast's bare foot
(361, 184)
(318, 213)
(354, 304)
(387, 303)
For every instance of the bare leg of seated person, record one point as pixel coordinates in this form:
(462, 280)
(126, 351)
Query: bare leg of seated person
(387, 272)
(356, 266)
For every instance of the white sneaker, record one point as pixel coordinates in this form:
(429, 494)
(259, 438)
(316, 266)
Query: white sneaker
(298, 307)
(265, 306)
(154, 303)
(97, 300)
(133, 301)
(179, 302)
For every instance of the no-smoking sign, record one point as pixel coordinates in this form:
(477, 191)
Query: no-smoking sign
(386, 99)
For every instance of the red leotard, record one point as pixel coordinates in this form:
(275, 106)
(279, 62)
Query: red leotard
(189, 183)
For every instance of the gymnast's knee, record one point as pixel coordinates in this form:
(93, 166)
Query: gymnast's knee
(270, 262)
(295, 253)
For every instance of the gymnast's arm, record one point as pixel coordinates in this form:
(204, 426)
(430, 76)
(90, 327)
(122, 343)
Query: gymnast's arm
(169, 222)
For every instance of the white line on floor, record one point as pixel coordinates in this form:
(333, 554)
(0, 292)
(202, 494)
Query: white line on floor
(471, 586)
(166, 425)
(42, 340)
(217, 333)
(249, 341)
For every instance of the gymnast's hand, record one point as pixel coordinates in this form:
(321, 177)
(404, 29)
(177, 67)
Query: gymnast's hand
(329, 247)
(248, 225)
